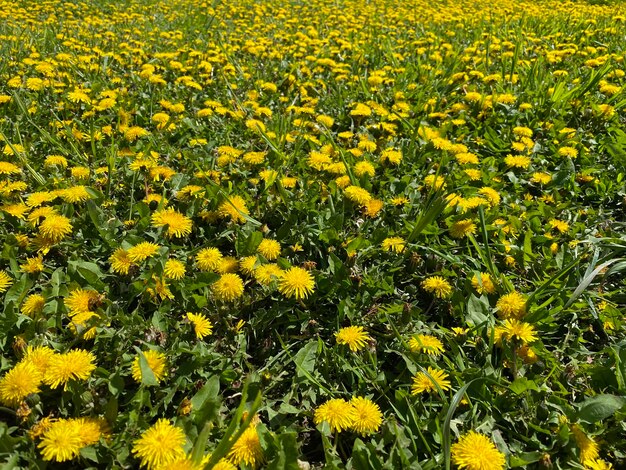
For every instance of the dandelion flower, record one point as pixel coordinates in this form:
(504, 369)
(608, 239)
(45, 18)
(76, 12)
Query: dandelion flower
(248, 264)
(229, 264)
(201, 325)
(424, 383)
(39, 357)
(174, 269)
(598, 464)
(55, 228)
(474, 451)
(247, 449)
(586, 445)
(209, 259)
(235, 208)
(156, 362)
(511, 305)
(62, 441)
(353, 336)
(5, 281)
(160, 445)
(22, 380)
(517, 161)
(367, 417)
(483, 283)
(270, 249)
(74, 194)
(437, 286)
(296, 282)
(33, 305)
(32, 265)
(267, 273)
(396, 244)
(519, 330)
(338, 413)
(178, 225)
(142, 251)
(559, 225)
(462, 228)
(76, 364)
(80, 301)
(228, 287)
(427, 344)
(358, 195)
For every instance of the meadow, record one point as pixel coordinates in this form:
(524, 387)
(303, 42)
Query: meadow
(299, 235)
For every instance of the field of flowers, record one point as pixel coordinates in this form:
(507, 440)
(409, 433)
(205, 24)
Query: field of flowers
(300, 235)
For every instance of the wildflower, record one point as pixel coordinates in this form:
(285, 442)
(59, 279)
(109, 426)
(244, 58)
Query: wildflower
(462, 228)
(160, 445)
(474, 451)
(209, 259)
(33, 305)
(437, 286)
(248, 264)
(587, 446)
(559, 225)
(427, 344)
(353, 336)
(74, 194)
(80, 301)
(391, 155)
(178, 225)
(62, 441)
(156, 362)
(39, 357)
(357, 195)
(364, 168)
(517, 161)
(270, 249)
(491, 195)
(540, 178)
(337, 413)
(228, 287)
(201, 325)
(235, 208)
(361, 110)
(32, 265)
(367, 417)
(396, 244)
(518, 330)
(373, 207)
(598, 464)
(174, 269)
(435, 182)
(76, 364)
(296, 282)
(424, 383)
(18, 383)
(247, 449)
(55, 228)
(483, 284)
(5, 281)
(142, 251)
(511, 305)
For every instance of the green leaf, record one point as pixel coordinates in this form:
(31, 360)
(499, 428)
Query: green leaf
(147, 376)
(522, 385)
(597, 408)
(247, 246)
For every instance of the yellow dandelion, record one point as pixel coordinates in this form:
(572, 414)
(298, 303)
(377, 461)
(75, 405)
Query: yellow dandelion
(247, 449)
(427, 344)
(357, 195)
(55, 228)
(234, 208)
(142, 251)
(367, 416)
(588, 447)
(462, 228)
(201, 325)
(296, 282)
(519, 331)
(32, 265)
(228, 264)
(511, 305)
(33, 305)
(437, 286)
(209, 259)
(355, 337)
(338, 413)
(160, 445)
(423, 383)
(270, 249)
(5, 281)
(39, 357)
(18, 383)
(178, 225)
(62, 441)
(396, 244)
(228, 287)
(483, 283)
(76, 364)
(174, 269)
(474, 451)
(120, 262)
(156, 362)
